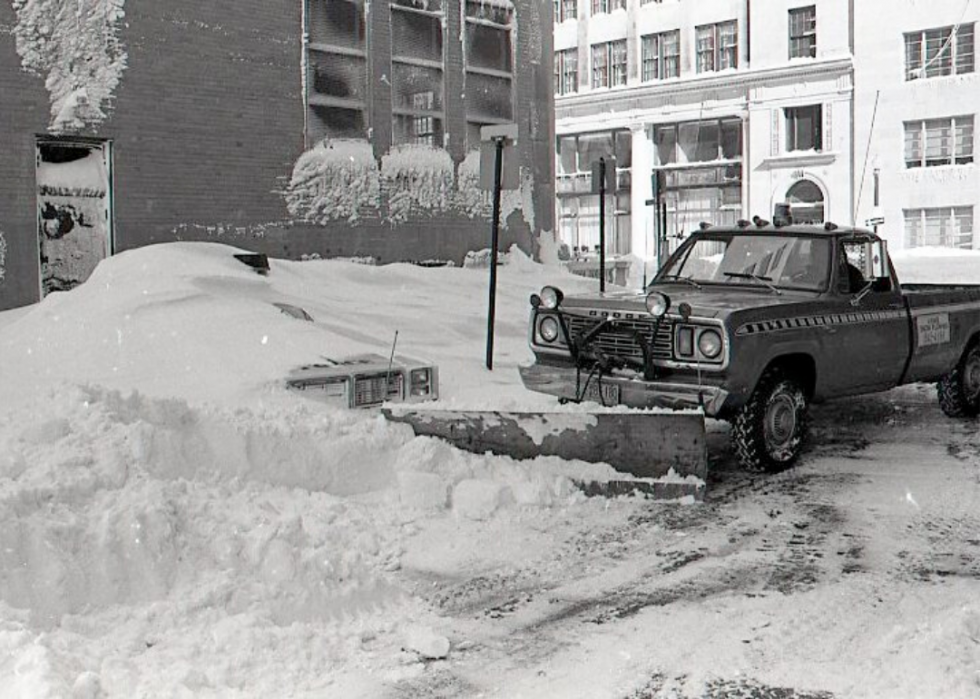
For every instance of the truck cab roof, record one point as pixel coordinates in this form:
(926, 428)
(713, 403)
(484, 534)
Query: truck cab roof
(767, 227)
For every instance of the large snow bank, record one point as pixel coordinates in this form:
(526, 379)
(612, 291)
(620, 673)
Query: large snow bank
(336, 179)
(75, 48)
(173, 522)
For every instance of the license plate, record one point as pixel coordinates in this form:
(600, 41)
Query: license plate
(610, 393)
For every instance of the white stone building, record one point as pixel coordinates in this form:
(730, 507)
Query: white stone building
(741, 104)
(917, 97)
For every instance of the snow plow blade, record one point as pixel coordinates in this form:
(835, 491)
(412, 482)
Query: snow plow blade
(643, 445)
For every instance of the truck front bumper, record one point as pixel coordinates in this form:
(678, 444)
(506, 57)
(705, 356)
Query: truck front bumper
(633, 392)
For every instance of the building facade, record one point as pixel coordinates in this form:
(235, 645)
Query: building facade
(730, 108)
(916, 107)
(292, 127)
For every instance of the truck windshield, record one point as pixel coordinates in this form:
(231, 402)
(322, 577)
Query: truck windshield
(783, 261)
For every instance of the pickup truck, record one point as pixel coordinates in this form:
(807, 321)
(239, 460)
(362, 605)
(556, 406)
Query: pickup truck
(754, 322)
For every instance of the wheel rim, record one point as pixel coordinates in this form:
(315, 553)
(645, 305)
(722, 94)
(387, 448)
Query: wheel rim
(781, 422)
(971, 376)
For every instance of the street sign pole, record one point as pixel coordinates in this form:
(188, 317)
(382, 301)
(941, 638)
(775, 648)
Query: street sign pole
(494, 241)
(602, 225)
(497, 145)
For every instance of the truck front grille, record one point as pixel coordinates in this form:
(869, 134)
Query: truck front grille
(618, 341)
(371, 389)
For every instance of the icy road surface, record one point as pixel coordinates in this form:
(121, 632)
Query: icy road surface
(854, 574)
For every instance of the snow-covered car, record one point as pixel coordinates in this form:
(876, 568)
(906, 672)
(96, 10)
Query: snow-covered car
(367, 380)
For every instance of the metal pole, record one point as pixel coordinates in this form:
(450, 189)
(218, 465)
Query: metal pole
(602, 225)
(494, 237)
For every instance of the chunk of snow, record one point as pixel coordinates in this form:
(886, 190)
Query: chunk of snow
(426, 642)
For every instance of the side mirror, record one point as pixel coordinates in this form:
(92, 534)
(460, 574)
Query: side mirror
(876, 260)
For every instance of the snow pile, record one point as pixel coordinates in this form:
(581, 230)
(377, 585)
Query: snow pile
(75, 47)
(336, 179)
(935, 265)
(174, 522)
(3, 256)
(417, 179)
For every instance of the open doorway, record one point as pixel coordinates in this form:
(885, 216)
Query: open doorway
(74, 210)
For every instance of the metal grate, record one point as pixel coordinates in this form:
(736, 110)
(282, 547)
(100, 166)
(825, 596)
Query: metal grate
(370, 390)
(620, 344)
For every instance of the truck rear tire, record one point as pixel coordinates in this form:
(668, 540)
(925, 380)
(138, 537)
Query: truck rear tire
(959, 390)
(769, 431)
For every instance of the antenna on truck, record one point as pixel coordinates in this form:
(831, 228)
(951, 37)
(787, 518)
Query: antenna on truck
(867, 152)
(391, 360)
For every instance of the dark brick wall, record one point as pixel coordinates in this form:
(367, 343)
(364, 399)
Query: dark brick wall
(207, 122)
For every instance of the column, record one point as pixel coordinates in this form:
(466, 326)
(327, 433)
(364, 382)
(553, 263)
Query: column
(641, 243)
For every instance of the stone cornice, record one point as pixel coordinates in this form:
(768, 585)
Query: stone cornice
(648, 95)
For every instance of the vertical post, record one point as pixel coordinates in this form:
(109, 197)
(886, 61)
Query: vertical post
(494, 238)
(602, 225)
(664, 247)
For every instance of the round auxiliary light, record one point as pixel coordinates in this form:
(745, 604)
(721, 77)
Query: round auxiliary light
(548, 329)
(535, 300)
(709, 342)
(657, 304)
(551, 297)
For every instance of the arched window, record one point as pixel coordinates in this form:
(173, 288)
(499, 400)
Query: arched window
(806, 203)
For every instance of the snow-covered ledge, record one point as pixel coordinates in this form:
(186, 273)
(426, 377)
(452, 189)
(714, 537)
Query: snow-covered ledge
(800, 159)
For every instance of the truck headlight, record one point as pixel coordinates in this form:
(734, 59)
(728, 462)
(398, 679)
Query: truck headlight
(548, 329)
(550, 297)
(421, 382)
(657, 304)
(709, 343)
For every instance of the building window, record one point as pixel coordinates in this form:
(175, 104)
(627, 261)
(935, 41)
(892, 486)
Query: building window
(804, 128)
(489, 66)
(936, 52)
(939, 142)
(717, 46)
(806, 202)
(803, 32)
(609, 64)
(705, 141)
(600, 7)
(565, 9)
(566, 72)
(660, 56)
(336, 64)
(947, 226)
(416, 72)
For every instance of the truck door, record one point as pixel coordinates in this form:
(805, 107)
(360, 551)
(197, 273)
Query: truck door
(867, 338)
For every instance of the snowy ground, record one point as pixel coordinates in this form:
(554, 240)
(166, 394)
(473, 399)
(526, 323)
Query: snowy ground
(174, 523)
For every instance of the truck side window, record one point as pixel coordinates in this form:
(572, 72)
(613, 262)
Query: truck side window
(851, 279)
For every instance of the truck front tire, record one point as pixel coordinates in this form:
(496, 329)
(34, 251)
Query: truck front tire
(959, 390)
(768, 432)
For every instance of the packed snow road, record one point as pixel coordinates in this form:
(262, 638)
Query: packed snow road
(175, 523)
(854, 574)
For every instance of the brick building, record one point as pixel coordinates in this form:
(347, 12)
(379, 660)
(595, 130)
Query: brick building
(284, 127)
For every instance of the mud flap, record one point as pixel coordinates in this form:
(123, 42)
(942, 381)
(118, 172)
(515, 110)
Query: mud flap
(642, 445)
